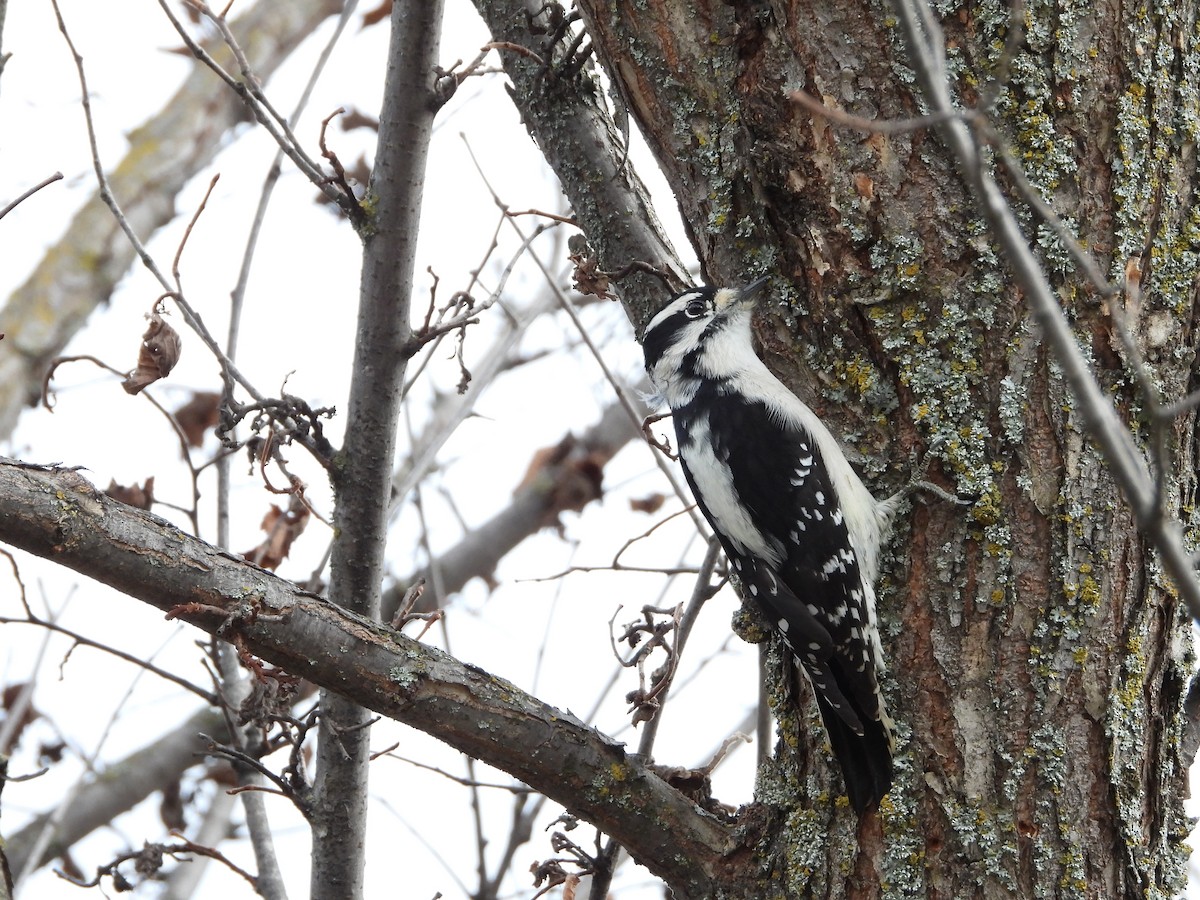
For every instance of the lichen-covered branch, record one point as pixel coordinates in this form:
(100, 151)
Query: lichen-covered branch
(57, 514)
(1123, 457)
(566, 114)
(1038, 656)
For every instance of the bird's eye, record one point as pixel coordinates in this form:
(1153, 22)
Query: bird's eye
(695, 308)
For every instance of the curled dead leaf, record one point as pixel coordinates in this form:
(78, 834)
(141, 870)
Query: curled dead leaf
(160, 351)
(588, 277)
(282, 527)
(132, 495)
(198, 415)
(650, 504)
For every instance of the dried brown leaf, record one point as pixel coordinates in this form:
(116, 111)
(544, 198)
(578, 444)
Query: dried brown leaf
(160, 351)
(357, 119)
(198, 415)
(71, 869)
(649, 504)
(9, 699)
(378, 14)
(170, 808)
(133, 495)
(282, 527)
(589, 279)
(223, 775)
(570, 475)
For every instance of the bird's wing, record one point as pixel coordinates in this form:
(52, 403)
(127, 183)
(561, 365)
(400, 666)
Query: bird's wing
(813, 589)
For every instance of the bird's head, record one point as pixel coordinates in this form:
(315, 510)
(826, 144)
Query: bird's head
(703, 330)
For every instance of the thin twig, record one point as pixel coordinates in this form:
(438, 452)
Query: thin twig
(566, 220)
(187, 232)
(82, 641)
(46, 833)
(515, 48)
(621, 393)
(510, 788)
(262, 111)
(57, 176)
(471, 316)
(49, 400)
(106, 195)
(701, 592)
(860, 123)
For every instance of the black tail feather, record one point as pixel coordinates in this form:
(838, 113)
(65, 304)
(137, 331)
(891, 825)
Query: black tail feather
(866, 759)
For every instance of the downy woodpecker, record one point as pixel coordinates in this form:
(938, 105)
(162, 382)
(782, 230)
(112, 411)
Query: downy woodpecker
(801, 531)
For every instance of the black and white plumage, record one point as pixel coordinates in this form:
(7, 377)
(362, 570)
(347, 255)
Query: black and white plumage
(800, 529)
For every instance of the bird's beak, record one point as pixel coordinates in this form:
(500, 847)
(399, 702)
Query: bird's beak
(750, 293)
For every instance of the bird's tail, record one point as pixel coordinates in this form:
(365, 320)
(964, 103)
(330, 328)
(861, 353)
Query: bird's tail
(865, 759)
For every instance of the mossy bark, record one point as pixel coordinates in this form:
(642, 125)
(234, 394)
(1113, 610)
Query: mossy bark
(1039, 660)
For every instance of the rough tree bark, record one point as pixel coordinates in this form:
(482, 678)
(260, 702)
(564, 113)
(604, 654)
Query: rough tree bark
(56, 513)
(1039, 658)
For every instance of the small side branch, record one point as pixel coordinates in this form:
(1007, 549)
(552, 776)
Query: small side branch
(57, 176)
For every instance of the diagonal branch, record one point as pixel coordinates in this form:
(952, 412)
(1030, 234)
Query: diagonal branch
(117, 789)
(58, 515)
(79, 273)
(580, 141)
(560, 480)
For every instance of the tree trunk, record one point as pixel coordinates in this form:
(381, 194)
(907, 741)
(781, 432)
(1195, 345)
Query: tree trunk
(364, 465)
(1038, 658)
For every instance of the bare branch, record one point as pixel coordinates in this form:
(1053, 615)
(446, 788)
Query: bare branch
(187, 232)
(110, 200)
(60, 515)
(79, 272)
(362, 480)
(536, 503)
(871, 126)
(511, 788)
(57, 176)
(250, 92)
(119, 787)
(84, 641)
(584, 147)
(149, 860)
